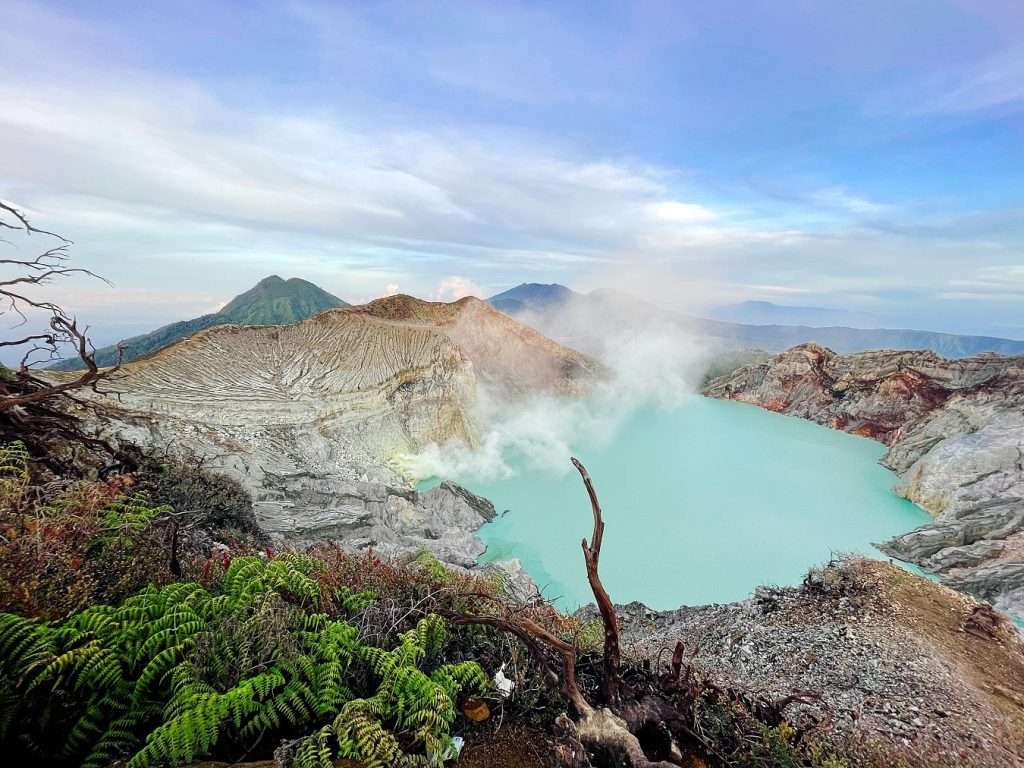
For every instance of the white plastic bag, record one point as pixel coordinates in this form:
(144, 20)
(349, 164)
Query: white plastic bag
(502, 683)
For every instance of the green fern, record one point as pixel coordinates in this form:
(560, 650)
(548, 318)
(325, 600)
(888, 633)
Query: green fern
(180, 672)
(415, 703)
(124, 518)
(14, 474)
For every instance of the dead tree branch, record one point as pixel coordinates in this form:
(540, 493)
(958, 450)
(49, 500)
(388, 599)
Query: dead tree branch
(598, 729)
(540, 642)
(35, 407)
(609, 618)
(25, 387)
(23, 223)
(36, 389)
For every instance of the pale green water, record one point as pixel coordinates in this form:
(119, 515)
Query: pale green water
(702, 504)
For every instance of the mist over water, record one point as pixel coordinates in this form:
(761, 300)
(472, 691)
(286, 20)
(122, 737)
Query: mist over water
(656, 366)
(703, 502)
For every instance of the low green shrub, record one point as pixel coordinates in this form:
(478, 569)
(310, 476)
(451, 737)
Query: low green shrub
(64, 546)
(740, 739)
(14, 474)
(67, 544)
(179, 672)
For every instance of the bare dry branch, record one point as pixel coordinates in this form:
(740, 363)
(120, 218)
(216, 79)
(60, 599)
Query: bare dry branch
(39, 389)
(23, 387)
(37, 408)
(598, 728)
(24, 224)
(539, 641)
(609, 618)
(47, 337)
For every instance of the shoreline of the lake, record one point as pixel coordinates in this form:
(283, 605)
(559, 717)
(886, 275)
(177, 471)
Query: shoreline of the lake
(754, 473)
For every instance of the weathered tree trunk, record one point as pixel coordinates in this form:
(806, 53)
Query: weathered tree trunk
(597, 730)
(659, 713)
(610, 620)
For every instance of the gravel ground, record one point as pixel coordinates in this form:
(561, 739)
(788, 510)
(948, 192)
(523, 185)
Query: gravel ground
(899, 677)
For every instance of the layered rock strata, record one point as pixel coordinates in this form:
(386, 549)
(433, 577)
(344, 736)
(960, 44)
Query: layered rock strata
(309, 417)
(955, 432)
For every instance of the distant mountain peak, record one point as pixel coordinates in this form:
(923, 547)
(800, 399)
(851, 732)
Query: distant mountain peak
(535, 296)
(556, 286)
(272, 301)
(536, 289)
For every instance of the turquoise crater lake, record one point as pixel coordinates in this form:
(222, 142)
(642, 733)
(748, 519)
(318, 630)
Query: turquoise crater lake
(702, 503)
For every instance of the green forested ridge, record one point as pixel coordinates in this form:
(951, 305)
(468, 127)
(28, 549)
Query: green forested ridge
(272, 301)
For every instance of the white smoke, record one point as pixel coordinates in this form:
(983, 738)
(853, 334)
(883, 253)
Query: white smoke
(537, 432)
(658, 364)
(651, 362)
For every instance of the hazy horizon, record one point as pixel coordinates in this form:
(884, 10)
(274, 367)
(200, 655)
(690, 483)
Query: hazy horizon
(862, 159)
(111, 332)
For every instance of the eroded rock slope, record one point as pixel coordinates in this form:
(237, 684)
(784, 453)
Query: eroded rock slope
(955, 431)
(894, 669)
(310, 416)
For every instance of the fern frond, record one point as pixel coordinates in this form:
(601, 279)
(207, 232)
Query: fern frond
(176, 673)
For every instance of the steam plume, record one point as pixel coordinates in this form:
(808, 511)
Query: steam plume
(651, 363)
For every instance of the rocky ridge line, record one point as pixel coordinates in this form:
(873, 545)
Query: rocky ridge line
(955, 432)
(310, 417)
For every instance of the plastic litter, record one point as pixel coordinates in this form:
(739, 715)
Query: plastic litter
(454, 749)
(502, 683)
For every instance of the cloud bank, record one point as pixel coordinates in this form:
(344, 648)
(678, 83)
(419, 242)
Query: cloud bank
(844, 160)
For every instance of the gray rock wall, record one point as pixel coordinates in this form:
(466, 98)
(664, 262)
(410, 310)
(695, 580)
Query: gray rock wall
(311, 418)
(955, 431)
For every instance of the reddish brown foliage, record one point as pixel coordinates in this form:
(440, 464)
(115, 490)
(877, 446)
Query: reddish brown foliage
(48, 563)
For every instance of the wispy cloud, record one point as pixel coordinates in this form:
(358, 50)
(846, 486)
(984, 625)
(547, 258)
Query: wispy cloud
(840, 198)
(997, 81)
(998, 283)
(673, 212)
(376, 145)
(217, 181)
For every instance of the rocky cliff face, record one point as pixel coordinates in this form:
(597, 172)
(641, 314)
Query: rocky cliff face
(955, 431)
(310, 416)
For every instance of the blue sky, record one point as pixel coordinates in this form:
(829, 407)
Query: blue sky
(865, 156)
